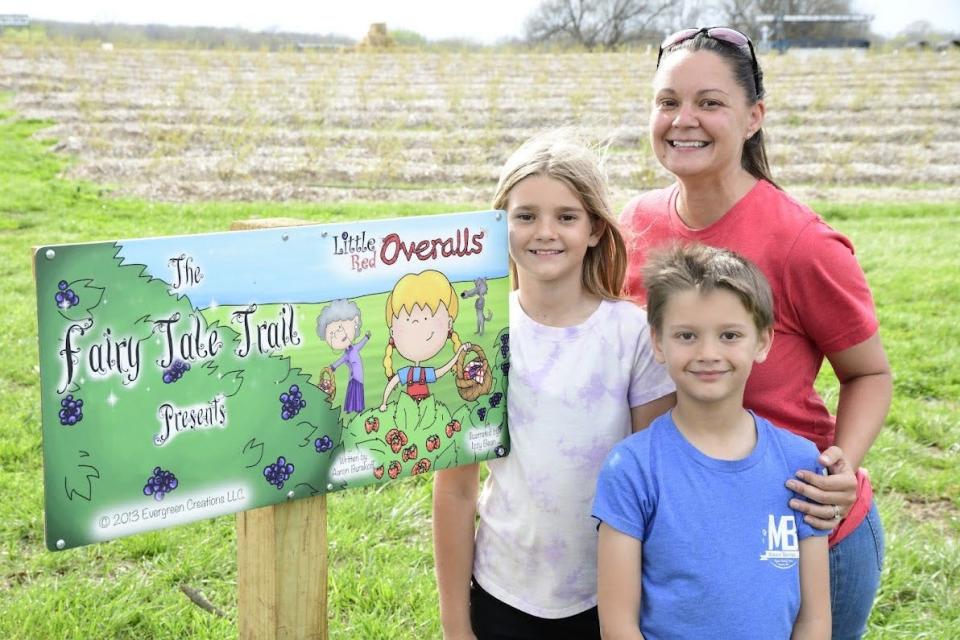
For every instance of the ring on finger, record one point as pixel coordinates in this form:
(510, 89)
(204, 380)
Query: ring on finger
(836, 512)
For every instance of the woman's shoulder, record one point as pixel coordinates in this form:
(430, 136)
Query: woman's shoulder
(772, 200)
(649, 203)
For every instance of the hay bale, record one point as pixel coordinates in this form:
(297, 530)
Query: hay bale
(377, 37)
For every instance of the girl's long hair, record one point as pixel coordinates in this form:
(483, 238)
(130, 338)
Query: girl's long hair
(558, 155)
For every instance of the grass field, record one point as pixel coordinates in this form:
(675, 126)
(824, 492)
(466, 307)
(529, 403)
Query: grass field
(381, 583)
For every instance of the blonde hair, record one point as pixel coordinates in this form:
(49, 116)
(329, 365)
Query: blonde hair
(558, 155)
(428, 289)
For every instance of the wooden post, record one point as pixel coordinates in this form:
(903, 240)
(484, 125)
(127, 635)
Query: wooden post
(282, 554)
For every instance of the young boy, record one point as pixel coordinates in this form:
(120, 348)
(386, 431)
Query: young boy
(697, 538)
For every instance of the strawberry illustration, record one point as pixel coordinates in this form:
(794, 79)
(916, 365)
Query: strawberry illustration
(396, 439)
(394, 470)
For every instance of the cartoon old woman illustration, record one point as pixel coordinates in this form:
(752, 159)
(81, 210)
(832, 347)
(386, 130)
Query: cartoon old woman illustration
(339, 324)
(420, 312)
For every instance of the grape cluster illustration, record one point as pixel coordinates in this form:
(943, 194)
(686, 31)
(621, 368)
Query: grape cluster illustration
(505, 345)
(323, 444)
(71, 411)
(278, 472)
(65, 296)
(496, 399)
(160, 484)
(175, 372)
(292, 402)
(482, 413)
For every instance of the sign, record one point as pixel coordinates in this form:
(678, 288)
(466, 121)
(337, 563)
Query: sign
(188, 377)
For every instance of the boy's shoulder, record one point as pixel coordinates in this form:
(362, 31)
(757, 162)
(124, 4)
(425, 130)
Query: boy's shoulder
(796, 449)
(640, 444)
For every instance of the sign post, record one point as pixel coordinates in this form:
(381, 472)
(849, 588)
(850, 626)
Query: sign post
(282, 553)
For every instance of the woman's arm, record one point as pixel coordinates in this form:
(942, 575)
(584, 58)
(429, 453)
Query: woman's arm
(619, 558)
(866, 386)
(454, 516)
(641, 416)
(813, 621)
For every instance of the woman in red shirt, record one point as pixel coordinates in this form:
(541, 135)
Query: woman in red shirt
(705, 128)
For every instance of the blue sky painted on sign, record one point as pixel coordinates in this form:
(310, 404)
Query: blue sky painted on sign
(299, 264)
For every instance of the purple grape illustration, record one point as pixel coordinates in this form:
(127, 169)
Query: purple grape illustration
(278, 472)
(71, 411)
(175, 372)
(495, 399)
(160, 484)
(482, 413)
(323, 444)
(505, 367)
(65, 296)
(291, 402)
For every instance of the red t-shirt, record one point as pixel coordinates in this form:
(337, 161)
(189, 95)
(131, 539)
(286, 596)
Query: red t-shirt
(822, 303)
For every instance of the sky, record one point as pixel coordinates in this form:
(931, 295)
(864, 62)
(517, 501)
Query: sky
(485, 21)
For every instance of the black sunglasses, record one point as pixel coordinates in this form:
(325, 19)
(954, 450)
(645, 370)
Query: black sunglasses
(721, 34)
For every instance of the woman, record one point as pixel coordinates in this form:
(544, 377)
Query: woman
(706, 129)
(339, 324)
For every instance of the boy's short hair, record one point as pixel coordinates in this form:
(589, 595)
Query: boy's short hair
(681, 267)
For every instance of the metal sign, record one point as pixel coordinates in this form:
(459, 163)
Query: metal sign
(195, 376)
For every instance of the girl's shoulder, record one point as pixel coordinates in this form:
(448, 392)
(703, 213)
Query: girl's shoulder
(627, 312)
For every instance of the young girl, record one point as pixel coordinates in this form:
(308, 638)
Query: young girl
(582, 376)
(420, 312)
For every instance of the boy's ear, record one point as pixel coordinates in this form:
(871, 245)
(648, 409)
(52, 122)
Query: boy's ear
(657, 346)
(764, 342)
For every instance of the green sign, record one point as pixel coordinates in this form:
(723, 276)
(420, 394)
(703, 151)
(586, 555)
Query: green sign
(189, 377)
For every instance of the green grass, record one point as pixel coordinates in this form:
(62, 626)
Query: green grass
(381, 583)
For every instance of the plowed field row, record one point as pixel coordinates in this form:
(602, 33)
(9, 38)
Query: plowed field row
(190, 125)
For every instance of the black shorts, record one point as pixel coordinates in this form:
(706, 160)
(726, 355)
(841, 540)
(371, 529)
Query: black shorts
(495, 620)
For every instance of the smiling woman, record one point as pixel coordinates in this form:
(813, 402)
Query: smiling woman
(706, 129)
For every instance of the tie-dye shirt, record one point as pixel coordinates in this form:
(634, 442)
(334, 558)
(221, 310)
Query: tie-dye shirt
(569, 400)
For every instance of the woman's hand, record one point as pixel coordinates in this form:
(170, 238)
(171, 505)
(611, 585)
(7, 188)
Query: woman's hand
(831, 495)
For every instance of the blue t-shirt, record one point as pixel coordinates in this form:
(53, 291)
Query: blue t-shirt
(720, 541)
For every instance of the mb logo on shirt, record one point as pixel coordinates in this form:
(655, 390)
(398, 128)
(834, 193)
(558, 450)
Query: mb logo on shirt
(783, 548)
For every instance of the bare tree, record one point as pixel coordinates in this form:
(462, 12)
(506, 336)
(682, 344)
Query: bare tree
(595, 23)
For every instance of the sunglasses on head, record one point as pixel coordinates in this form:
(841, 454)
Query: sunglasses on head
(721, 34)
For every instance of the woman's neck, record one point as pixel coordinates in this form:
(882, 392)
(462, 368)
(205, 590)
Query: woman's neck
(700, 203)
(556, 304)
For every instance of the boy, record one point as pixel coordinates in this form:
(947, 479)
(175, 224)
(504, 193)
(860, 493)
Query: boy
(696, 534)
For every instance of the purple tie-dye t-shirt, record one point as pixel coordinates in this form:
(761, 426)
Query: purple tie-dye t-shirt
(569, 400)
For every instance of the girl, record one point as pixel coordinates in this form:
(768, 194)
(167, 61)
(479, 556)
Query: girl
(339, 325)
(582, 375)
(706, 129)
(420, 311)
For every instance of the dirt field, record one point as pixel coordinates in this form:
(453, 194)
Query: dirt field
(313, 126)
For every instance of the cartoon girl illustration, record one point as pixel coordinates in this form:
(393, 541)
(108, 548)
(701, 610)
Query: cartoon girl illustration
(338, 324)
(420, 312)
